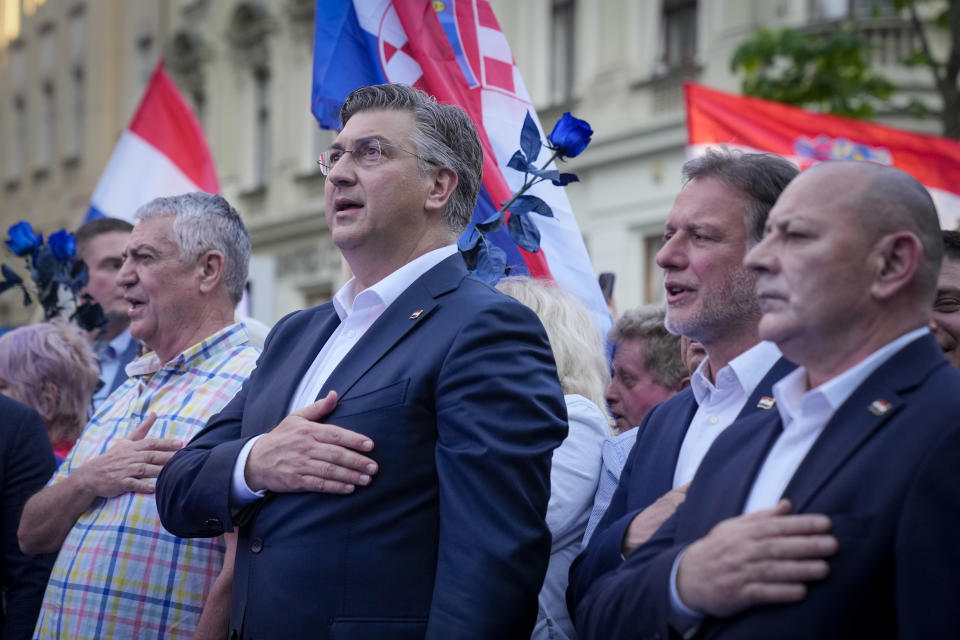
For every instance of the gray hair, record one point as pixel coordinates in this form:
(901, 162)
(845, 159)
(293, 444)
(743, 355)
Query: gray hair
(661, 349)
(761, 177)
(576, 343)
(204, 222)
(444, 137)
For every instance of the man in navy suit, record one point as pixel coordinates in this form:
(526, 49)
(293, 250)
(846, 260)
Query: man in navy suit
(388, 461)
(718, 215)
(26, 463)
(836, 515)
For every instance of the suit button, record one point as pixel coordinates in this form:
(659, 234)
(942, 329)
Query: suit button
(213, 523)
(256, 545)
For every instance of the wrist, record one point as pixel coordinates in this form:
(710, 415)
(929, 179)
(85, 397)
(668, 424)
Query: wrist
(83, 484)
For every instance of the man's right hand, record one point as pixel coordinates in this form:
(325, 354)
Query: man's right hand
(646, 523)
(126, 465)
(759, 558)
(303, 454)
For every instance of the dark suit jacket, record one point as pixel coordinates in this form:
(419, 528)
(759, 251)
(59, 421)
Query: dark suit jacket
(124, 358)
(456, 385)
(648, 474)
(889, 484)
(26, 463)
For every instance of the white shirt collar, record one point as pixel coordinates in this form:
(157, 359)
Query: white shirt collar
(389, 288)
(747, 370)
(791, 391)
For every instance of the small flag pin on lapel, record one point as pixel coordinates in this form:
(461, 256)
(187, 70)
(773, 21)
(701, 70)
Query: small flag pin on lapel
(415, 314)
(879, 407)
(766, 402)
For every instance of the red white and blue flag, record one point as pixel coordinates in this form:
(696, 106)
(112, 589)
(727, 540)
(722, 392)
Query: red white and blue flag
(162, 153)
(454, 50)
(804, 137)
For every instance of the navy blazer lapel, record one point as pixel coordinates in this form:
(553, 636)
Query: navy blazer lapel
(295, 355)
(675, 426)
(407, 312)
(764, 389)
(870, 407)
(726, 475)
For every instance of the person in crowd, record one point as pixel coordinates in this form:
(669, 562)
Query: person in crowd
(718, 215)
(26, 463)
(388, 463)
(692, 353)
(50, 367)
(945, 321)
(801, 520)
(119, 574)
(100, 244)
(647, 369)
(584, 374)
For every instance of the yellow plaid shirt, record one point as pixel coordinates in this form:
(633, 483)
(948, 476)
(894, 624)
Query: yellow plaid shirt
(120, 574)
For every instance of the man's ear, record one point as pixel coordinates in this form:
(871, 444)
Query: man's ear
(444, 184)
(210, 270)
(897, 258)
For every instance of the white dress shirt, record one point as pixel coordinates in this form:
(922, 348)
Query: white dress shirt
(804, 414)
(358, 310)
(719, 404)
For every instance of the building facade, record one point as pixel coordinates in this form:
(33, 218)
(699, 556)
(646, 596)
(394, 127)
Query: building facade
(73, 71)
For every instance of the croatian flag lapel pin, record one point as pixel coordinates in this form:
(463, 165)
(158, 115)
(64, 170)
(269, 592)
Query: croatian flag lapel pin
(879, 407)
(415, 314)
(766, 402)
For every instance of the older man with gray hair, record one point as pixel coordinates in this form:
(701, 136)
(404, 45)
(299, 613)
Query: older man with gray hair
(648, 368)
(119, 574)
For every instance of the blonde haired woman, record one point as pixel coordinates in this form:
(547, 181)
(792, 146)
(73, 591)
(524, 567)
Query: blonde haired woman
(584, 375)
(51, 368)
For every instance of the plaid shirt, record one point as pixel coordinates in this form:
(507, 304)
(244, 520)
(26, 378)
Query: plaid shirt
(120, 574)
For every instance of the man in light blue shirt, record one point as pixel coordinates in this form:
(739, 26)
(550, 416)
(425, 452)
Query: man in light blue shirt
(100, 244)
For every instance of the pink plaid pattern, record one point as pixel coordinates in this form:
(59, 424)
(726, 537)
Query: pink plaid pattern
(120, 574)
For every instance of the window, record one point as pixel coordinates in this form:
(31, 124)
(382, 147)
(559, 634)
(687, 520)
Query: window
(828, 10)
(562, 50)
(256, 148)
(679, 34)
(45, 133)
(75, 103)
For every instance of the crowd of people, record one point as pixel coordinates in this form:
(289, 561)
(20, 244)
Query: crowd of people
(769, 455)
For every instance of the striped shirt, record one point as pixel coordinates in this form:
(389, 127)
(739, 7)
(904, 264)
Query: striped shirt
(120, 574)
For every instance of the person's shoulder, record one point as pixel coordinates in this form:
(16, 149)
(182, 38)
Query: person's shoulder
(586, 411)
(22, 431)
(477, 296)
(15, 411)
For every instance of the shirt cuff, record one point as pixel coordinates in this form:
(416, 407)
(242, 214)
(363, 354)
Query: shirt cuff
(682, 618)
(240, 492)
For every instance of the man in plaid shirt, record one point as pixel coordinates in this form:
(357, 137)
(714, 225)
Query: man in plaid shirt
(119, 574)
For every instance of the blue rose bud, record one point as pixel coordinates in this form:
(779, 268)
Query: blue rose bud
(570, 136)
(23, 240)
(63, 245)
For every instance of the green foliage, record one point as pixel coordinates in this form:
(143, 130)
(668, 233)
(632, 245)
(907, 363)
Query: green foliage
(828, 72)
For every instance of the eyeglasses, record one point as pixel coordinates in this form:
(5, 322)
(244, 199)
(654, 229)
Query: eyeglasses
(367, 153)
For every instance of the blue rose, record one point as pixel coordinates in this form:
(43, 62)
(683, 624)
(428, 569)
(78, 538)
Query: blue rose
(570, 136)
(62, 245)
(23, 240)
